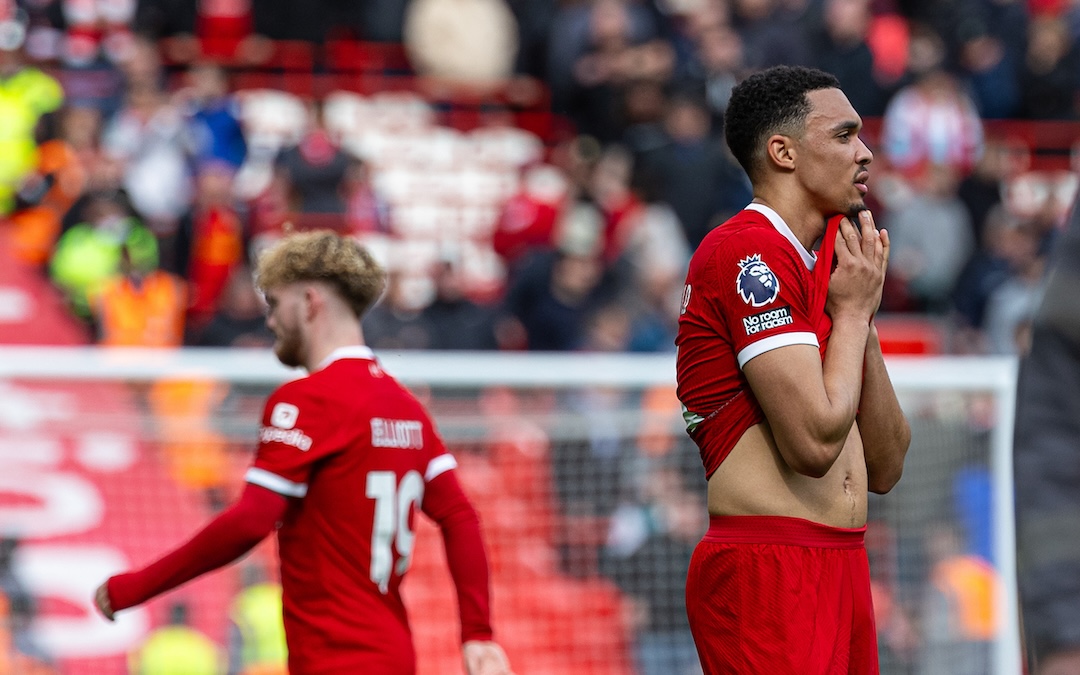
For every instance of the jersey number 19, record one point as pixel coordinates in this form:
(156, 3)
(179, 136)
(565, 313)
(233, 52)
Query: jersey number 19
(394, 502)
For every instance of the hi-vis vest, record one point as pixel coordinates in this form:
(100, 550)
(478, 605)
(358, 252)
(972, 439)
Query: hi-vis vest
(178, 650)
(257, 614)
(148, 315)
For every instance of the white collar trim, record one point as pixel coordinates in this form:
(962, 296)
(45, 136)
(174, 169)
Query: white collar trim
(810, 259)
(350, 352)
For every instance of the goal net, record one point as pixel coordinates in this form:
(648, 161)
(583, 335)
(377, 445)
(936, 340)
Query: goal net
(590, 494)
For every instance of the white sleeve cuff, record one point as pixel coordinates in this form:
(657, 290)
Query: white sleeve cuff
(775, 342)
(275, 483)
(439, 466)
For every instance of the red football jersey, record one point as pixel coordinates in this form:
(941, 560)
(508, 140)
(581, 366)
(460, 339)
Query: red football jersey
(355, 450)
(751, 288)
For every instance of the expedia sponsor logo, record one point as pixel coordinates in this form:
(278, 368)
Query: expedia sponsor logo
(767, 320)
(294, 437)
(401, 434)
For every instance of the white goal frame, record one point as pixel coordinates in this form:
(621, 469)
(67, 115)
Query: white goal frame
(996, 375)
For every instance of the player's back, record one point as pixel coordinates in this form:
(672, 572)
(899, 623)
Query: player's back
(347, 543)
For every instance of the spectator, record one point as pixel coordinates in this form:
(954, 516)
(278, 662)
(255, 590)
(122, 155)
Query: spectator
(655, 254)
(453, 321)
(90, 253)
(647, 554)
(141, 306)
(1049, 87)
(16, 619)
(984, 272)
(596, 51)
(526, 224)
(990, 62)
(960, 608)
(188, 29)
(841, 49)
(195, 452)
(213, 116)
(554, 294)
(239, 320)
(643, 105)
(314, 172)
(932, 238)
(932, 120)
(258, 647)
(147, 137)
(722, 64)
(609, 189)
(178, 649)
(28, 94)
(209, 241)
(396, 322)
(1010, 307)
(45, 196)
(771, 32)
(696, 176)
(982, 190)
(367, 212)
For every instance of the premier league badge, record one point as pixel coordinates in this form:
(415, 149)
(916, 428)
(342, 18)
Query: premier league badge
(757, 284)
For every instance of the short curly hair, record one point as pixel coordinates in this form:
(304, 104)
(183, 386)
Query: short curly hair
(769, 102)
(326, 256)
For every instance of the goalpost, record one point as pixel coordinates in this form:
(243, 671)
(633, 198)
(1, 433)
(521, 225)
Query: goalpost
(577, 464)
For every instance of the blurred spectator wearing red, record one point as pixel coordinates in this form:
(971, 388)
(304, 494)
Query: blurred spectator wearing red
(209, 241)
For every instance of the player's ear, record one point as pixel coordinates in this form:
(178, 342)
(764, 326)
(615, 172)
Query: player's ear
(313, 300)
(780, 151)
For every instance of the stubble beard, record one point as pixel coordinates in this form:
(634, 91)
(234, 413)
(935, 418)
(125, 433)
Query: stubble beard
(854, 209)
(287, 349)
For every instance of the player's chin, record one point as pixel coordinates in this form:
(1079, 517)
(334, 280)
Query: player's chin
(854, 208)
(286, 354)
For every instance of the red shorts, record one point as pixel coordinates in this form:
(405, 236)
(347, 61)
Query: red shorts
(781, 596)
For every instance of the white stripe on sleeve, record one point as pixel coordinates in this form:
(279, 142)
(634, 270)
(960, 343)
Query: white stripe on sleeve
(439, 466)
(275, 483)
(775, 342)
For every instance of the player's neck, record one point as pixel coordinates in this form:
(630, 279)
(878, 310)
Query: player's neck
(332, 337)
(806, 223)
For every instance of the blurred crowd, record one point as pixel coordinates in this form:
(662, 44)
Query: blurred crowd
(142, 180)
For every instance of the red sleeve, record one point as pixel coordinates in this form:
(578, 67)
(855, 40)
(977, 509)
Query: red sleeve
(297, 432)
(446, 504)
(762, 296)
(233, 533)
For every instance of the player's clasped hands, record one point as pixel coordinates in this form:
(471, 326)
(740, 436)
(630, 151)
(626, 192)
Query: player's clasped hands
(862, 256)
(485, 658)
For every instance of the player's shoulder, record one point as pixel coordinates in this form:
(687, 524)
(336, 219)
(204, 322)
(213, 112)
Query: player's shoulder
(746, 235)
(302, 390)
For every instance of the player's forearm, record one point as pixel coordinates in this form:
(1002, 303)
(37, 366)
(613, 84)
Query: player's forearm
(447, 505)
(233, 533)
(468, 565)
(842, 374)
(882, 423)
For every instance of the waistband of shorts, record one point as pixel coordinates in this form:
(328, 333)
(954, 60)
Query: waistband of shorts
(781, 530)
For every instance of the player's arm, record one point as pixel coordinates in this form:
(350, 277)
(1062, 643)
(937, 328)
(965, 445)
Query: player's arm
(882, 424)
(445, 503)
(811, 404)
(224, 539)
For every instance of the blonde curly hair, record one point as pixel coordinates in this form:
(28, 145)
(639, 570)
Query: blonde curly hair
(323, 255)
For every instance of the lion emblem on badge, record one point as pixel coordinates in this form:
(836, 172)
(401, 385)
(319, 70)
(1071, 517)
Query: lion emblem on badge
(757, 284)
